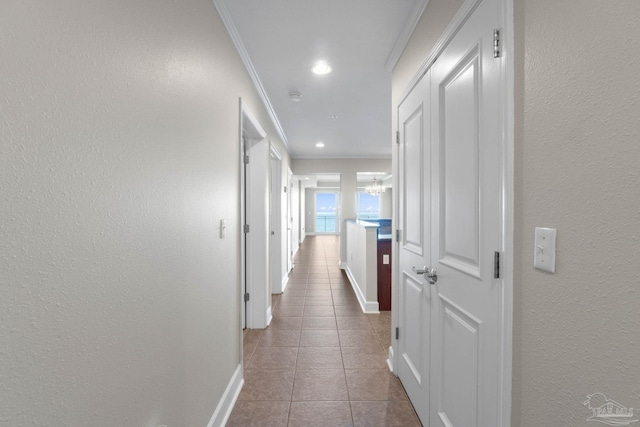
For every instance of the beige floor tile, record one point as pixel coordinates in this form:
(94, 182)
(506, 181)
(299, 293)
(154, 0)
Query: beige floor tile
(320, 414)
(274, 358)
(319, 286)
(318, 311)
(319, 323)
(247, 413)
(319, 384)
(283, 322)
(318, 338)
(372, 357)
(384, 414)
(319, 358)
(314, 293)
(289, 310)
(359, 323)
(287, 300)
(358, 338)
(373, 384)
(267, 384)
(280, 338)
(295, 292)
(348, 310)
(318, 301)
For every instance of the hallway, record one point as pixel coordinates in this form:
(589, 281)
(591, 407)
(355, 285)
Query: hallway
(321, 361)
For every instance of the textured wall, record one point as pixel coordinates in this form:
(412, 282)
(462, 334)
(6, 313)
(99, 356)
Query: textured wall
(577, 332)
(118, 138)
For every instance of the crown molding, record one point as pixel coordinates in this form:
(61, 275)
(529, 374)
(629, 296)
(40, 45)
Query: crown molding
(405, 35)
(246, 60)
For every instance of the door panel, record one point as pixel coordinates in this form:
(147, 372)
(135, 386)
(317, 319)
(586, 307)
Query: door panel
(414, 218)
(459, 166)
(257, 239)
(449, 213)
(466, 228)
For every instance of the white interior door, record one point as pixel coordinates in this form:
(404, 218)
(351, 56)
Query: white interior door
(275, 219)
(414, 218)
(451, 334)
(466, 160)
(258, 307)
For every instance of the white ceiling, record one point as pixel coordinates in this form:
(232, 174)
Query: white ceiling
(282, 40)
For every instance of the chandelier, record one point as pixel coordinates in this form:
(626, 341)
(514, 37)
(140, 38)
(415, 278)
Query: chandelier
(375, 189)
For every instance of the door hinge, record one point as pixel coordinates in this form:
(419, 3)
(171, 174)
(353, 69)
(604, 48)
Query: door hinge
(496, 265)
(246, 296)
(397, 137)
(397, 235)
(246, 228)
(496, 43)
(285, 188)
(397, 333)
(246, 160)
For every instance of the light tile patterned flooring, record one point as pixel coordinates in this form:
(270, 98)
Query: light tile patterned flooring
(321, 361)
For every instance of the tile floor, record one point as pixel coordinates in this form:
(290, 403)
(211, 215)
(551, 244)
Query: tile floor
(321, 361)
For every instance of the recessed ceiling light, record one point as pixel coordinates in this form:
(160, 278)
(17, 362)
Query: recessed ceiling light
(320, 144)
(306, 178)
(321, 67)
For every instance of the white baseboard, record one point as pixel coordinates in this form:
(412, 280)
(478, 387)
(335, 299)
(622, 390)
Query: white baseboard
(228, 400)
(269, 316)
(390, 359)
(343, 266)
(367, 306)
(285, 282)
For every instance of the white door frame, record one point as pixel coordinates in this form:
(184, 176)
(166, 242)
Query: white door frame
(252, 314)
(507, 171)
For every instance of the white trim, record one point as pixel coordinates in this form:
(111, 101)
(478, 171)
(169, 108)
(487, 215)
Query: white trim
(246, 60)
(366, 306)
(390, 359)
(228, 400)
(405, 35)
(285, 281)
(269, 315)
(508, 138)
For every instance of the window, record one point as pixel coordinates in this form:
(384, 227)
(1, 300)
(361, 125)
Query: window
(367, 206)
(326, 212)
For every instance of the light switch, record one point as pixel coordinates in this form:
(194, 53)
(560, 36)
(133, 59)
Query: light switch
(385, 258)
(544, 256)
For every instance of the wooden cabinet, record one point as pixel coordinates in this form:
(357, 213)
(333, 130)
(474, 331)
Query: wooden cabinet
(384, 275)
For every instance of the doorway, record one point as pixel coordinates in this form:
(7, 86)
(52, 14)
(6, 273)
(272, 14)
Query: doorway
(254, 231)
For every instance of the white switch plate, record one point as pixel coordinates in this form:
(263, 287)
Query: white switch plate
(544, 255)
(385, 258)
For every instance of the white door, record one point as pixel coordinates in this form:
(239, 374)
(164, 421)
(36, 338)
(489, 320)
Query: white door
(258, 307)
(450, 215)
(275, 219)
(414, 218)
(466, 171)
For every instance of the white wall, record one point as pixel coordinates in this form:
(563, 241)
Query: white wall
(361, 263)
(119, 129)
(577, 156)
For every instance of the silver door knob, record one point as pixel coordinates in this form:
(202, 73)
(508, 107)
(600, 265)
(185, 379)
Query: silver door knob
(429, 273)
